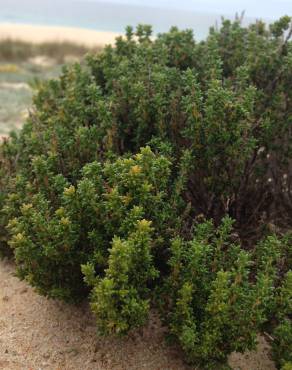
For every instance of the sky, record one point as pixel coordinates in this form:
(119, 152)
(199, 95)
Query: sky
(271, 9)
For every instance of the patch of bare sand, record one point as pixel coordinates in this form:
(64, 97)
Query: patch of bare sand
(15, 85)
(41, 33)
(42, 61)
(253, 360)
(36, 333)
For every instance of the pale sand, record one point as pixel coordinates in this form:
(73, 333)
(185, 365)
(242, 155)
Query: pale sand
(36, 333)
(38, 34)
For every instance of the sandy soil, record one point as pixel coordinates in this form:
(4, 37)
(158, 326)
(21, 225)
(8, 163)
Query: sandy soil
(36, 333)
(14, 85)
(37, 34)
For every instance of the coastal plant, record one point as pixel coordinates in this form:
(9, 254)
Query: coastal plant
(282, 333)
(217, 298)
(233, 115)
(64, 226)
(121, 298)
(158, 174)
(8, 159)
(233, 123)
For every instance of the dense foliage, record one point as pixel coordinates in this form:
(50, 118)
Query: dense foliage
(65, 226)
(283, 330)
(210, 285)
(159, 175)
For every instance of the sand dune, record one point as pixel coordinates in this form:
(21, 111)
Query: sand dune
(37, 333)
(38, 34)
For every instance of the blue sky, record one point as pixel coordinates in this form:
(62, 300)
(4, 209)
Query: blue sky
(254, 8)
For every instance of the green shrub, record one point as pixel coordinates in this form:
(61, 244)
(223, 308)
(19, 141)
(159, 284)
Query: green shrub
(287, 366)
(282, 344)
(230, 114)
(8, 159)
(120, 300)
(217, 297)
(170, 133)
(52, 238)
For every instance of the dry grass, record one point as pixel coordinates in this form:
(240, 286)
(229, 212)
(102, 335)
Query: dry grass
(20, 51)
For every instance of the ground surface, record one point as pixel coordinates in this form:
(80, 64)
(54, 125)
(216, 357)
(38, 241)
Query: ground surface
(38, 34)
(36, 333)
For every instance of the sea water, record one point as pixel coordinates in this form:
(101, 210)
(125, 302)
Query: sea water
(114, 15)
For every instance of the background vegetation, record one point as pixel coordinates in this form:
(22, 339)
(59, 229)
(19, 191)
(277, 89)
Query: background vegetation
(22, 64)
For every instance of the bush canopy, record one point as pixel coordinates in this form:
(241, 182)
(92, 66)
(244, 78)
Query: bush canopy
(159, 175)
